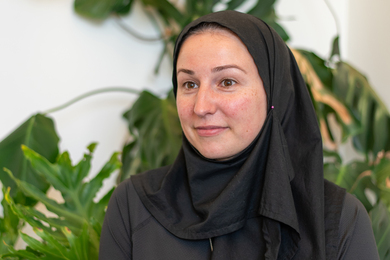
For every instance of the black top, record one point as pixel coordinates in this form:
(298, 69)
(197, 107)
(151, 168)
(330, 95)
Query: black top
(131, 232)
(268, 202)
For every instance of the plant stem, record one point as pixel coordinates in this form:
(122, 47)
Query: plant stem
(91, 93)
(135, 34)
(160, 58)
(334, 16)
(155, 23)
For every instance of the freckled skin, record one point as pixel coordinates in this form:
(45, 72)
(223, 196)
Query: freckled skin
(230, 103)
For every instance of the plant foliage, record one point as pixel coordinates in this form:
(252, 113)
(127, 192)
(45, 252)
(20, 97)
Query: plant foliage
(9, 226)
(75, 232)
(144, 152)
(103, 8)
(38, 133)
(353, 88)
(342, 93)
(346, 93)
(172, 16)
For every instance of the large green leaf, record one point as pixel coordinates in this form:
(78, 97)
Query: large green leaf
(38, 133)
(59, 209)
(380, 218)
(78, 243)
(69, 247)
(156, 137)
(75, 233)
(356, 93)
(264, 9)
(36, 219)
(9, 226)
(77, 193)
(69, 180)
(319, 65)
(318, 78)
(101, 9)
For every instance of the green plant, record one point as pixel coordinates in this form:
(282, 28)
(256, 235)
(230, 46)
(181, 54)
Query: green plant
(170, 18)
(75, 232)
(39, 134)
(9, 226)
(341, 96)
(161, 124)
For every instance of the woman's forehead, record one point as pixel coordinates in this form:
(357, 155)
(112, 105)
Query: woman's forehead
(213, 51)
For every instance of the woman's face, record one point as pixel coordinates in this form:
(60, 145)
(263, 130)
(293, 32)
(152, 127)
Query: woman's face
(221, 100)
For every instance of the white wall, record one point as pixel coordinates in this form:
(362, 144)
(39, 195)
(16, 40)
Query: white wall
(368, 41)
(48, 55)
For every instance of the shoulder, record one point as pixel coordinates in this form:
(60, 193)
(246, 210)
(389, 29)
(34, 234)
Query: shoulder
(354, 217)
(126, 196)
(356, 238)
(126, 191)
(352, 208)
(348, 227)
(123, 195)
(126, 201)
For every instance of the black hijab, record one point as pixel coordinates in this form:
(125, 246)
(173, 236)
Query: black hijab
(279, 177)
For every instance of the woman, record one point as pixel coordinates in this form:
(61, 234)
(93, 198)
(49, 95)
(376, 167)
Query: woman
(248, 181)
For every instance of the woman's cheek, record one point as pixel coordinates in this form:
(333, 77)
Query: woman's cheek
(183, 109)
(238, 107)
(245, 114)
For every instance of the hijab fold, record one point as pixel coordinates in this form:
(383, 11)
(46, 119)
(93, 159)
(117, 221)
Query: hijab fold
(278, 177)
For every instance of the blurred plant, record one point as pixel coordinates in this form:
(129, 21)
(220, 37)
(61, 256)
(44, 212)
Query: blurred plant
(75, 232)
(38, 133)
(169, 17)
(348, 107)
(9, 226)
(161, 125)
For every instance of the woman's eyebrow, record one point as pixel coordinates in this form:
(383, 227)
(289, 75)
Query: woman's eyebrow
(190, 72)
(230, 66)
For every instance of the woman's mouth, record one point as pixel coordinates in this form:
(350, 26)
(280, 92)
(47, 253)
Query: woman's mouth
(209, 130)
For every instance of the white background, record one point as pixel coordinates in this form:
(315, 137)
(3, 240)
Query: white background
(49, 55)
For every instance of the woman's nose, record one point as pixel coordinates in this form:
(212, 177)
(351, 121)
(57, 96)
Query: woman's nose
(204, 102)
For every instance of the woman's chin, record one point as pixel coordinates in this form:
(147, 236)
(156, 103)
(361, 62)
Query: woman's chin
(216, 154)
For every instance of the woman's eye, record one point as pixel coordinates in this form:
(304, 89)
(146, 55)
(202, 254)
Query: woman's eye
(227, 83)
(190, 85)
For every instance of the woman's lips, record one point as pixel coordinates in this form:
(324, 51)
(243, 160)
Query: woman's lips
(209, 130)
